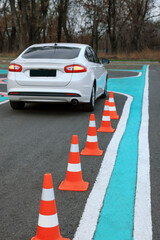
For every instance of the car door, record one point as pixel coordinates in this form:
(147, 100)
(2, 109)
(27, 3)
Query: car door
(90, 57)
(100, 73)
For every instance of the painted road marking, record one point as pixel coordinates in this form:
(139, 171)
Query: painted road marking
(117, 215)
(3, 95)
(3, 81)
(94, 203)
(5, 101)
(142, 215)
(2, 71)
(123, 70)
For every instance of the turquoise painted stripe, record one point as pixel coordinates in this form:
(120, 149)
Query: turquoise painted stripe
(117, 215)
(3, 71)
(3, 98)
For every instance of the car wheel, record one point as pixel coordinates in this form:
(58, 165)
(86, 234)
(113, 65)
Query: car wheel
(17, 105)
(104, 95)
(90, 106)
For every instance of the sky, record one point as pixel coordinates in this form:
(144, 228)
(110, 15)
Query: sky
(156, 11)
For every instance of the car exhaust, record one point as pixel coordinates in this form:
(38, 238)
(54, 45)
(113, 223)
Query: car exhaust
(74, 102)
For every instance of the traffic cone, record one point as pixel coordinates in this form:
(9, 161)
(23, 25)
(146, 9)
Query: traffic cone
(48, 226)
(92, 148)
(106, 123)
(74, 180)
(112, 107)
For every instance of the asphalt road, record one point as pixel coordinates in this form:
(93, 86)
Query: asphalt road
(37, 140)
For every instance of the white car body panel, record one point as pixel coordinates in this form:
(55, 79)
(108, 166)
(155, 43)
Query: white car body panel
(62, 79)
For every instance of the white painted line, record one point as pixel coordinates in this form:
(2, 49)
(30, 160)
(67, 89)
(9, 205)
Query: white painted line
(4, 94)
(4, 102)
(2, 81)
(94, 203)
(142, 216)
(139, 74)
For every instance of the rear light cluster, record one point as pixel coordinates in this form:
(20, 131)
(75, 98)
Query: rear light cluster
(68, 69)
(75, 69)
(15, 68)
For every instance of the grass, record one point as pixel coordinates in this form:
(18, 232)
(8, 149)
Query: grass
(145, 55)
(7, 55)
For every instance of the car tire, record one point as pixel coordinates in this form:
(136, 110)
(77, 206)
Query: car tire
(17, 105)
(104, 95)
(89, 107)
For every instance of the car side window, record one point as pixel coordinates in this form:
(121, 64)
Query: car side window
(95, 56)
(89, 55)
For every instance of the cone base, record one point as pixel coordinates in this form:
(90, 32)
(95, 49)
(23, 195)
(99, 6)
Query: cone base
(73, 186)
(114, 117)
(105, 129)
(59, 238)
(92, 152)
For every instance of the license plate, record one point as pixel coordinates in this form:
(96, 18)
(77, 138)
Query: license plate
(42, 73)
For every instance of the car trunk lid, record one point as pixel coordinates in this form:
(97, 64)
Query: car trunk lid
(43, 73)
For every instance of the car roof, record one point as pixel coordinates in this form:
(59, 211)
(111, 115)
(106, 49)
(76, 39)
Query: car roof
(79, 45)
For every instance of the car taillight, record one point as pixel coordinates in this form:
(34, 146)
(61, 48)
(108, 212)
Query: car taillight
(15, 68)
(75, 69)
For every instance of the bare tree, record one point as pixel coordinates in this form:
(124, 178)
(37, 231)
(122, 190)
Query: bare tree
(29, 18)
(118, 25)
(62, 10)
(94, 20)
(139, 11)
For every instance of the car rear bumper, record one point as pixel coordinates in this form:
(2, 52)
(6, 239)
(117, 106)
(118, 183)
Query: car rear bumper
(31, 95)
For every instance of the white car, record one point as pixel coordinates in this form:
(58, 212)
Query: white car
(57, 72)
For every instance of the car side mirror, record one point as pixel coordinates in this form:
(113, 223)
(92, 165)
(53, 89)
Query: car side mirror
(105, 61)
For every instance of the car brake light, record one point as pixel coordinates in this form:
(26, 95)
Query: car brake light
(75, 69)
(15, 68)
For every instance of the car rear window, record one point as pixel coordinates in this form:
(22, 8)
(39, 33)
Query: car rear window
(52, 52)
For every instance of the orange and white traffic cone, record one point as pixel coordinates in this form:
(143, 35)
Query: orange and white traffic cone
(48, 226)
(112, 107)
(106, 123)
(92, 148)
(74, 180)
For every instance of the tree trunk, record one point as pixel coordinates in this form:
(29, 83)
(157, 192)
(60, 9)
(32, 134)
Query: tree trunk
(60, 20)
(15, 21)
(23, 26)
(65, 13)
